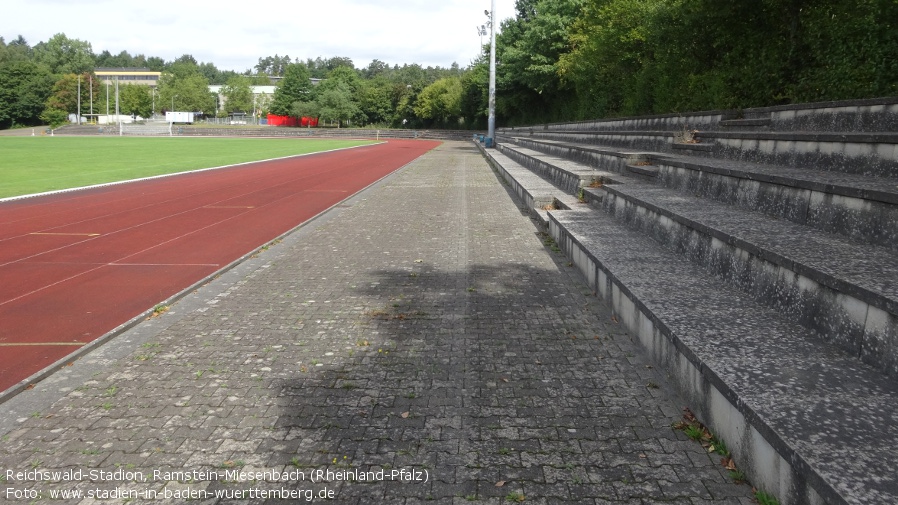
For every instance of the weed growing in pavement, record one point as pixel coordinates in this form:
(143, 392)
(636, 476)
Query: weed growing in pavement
(765, 499)
(515, 496)
(700, 433)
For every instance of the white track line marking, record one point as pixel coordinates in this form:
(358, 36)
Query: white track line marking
(17, 344)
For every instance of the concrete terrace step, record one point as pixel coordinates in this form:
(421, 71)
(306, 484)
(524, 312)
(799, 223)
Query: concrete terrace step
(659, 141)
(568, 176)
(863, 208)
(746, 123)
(867, 115)
(657, 122)
(794, 411)
(600, 158)
(860, 207)
(797, 414)
(533, 191)
(874, 154)
(847, 292)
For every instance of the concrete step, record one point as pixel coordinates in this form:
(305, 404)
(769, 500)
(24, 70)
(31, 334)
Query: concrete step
(792, 409)
(856, 206)
(758, 124)
(795, 413)
(873, 154)
(691, 147)
(535, 193)
(862, 208)
(703, 120)
(74, 129)
(867, 115)
(607, 159)
(568, 176)
(846, 292)
(656, 141)
(645, 169)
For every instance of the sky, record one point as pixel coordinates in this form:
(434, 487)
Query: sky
(234, 35)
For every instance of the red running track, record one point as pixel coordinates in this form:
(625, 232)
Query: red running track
(77, 265)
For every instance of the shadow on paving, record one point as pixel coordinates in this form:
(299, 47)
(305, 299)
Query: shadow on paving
(491, 385)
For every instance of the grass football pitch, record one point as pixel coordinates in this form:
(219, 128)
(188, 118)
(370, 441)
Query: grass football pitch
(31, 165)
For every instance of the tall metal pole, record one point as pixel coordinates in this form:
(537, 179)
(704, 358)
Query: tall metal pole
(118, 117)
(491, 121)
(79, 99)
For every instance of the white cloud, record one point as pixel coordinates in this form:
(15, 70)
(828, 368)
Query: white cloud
(235, 35)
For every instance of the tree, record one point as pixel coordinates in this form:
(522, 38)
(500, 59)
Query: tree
(475, 94)
(135, 99)
(64, 95)
(294, 87)
(273, 65)
(441, 101)
(63, 55)
(16, 50)
(374, 101)
(336, 103)
(24, 89)
(185, 92)
(306, 109)
(54, 117)
(374, 69)
(237, 94)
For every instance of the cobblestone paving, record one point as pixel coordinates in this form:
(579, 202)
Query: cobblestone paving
(425, 329)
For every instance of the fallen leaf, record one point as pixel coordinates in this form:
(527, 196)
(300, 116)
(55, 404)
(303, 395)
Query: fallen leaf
(728, 463)
(403, 415)
(500, 483)
(504, 379)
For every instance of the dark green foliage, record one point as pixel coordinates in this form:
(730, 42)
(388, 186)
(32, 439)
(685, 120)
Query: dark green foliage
(295, 87)
(24, 88)
(629, 57)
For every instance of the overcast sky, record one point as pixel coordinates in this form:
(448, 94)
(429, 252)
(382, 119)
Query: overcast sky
(234, 35)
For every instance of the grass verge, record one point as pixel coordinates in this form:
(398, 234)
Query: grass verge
(37, 164)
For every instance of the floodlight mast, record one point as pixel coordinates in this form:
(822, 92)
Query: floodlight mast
(491, 121)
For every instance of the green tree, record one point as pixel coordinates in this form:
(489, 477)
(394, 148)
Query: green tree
(185, 92)
(16, 50)
(336, 103)
(136, 99)
(273, 65)
(440, 102)
(374, 101)
(475, 94)
(24, 89)
(294, 87)
(306, 109)
(64, 95)
(237, 94)
(529, 48)
(63, 55)
(54, 117)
